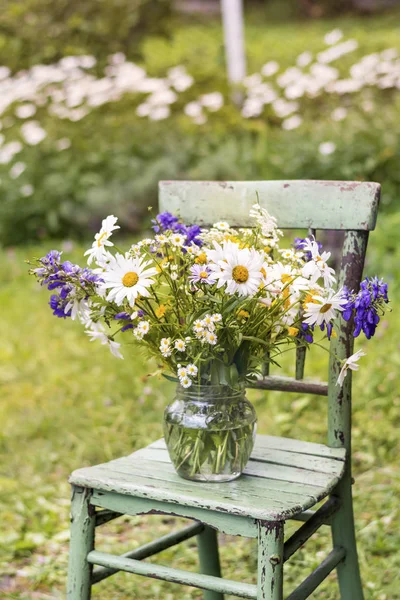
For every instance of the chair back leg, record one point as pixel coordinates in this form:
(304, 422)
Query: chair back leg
(343, 534)
(82, 542)
(270, 561)
(207, 542)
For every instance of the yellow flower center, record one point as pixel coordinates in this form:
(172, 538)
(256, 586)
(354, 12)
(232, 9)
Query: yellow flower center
(201, 259)
(263, 273)
(285, 278)
(203, 274)
(130, 279)
(100, 239)
(240, 274)
(325, 308)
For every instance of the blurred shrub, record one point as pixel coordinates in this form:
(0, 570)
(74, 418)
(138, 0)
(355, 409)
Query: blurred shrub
(35, 31)
(77, 147)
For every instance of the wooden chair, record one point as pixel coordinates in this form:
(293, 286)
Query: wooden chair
(284, 477)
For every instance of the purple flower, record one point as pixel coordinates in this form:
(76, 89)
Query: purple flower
(167, 222)
(364, 306)
(58, 304)
(122, 316)
(201, 274)
(164, 222)
(306, 333)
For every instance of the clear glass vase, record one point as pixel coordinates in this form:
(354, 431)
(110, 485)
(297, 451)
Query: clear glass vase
(210, 431)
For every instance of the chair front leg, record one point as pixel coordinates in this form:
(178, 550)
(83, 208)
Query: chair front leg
(207, 542)
(270, 560)
(343, 534)
(82, 542)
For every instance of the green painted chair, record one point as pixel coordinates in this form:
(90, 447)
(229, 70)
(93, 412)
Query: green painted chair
(285, 478)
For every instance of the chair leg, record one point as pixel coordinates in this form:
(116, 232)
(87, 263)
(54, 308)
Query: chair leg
(270, 561)
(209, 559)
(82, 542)
(343, 534)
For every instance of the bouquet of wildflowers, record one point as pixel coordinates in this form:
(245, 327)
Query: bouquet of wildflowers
(211, 305)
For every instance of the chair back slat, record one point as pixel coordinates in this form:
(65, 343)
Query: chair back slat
(340, 205)
(331, 205)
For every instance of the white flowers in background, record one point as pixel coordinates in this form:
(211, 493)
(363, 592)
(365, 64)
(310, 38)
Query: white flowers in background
(292, 122)
(326, 148)
(8, 151)
(27, 190)
(335, 52)
(17, 169)
(304, 59)
(213, 101)
(270, 68)
(25, 111)
(97, 251)
(333, 37)
(352, 364)
(63, 144)
(33, 133)
(339, 114)
(126, 278)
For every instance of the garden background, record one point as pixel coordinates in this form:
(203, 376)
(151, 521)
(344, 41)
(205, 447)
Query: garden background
(98, 102)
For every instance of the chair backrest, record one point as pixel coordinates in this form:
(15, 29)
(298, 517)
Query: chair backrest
(334, 205)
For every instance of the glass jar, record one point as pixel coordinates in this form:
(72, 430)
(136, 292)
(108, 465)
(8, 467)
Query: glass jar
(210, 431)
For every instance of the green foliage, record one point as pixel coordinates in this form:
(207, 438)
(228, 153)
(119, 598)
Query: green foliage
(67, 403)
(35, 31)
(116, 158)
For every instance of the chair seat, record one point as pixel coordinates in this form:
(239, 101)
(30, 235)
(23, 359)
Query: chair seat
(283, 478)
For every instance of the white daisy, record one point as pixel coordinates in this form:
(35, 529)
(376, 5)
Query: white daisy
(177, 239)
(185, 382)
(182, 372)
(239, 270)
(192, 370)
(127, 278)
(216, 318)
(180, 345)
(208, 322)
(144, 327)
(198, 326)
(350, 363)
(222, 226)
(211, 338)
(323, 310)
(101, 239)
(165, 342)
(174, 276)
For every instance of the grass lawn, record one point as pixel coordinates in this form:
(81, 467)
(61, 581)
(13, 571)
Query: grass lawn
(67, 403)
